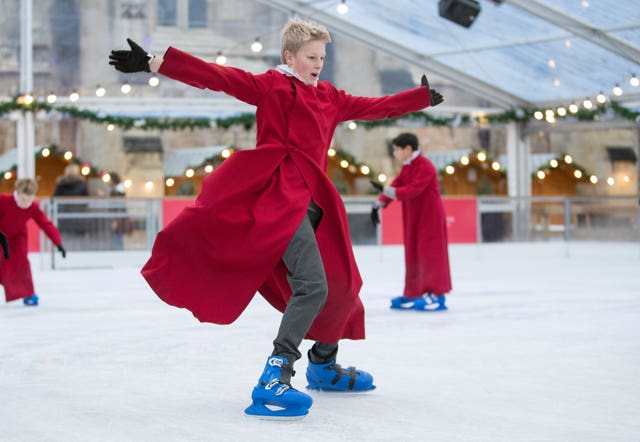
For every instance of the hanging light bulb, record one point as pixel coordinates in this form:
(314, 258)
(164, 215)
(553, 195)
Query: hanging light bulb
(587, 103)
(74, 96)
(100, 91)
(617, 90)
(154, 81)
(573, 108)
(221, 59)
(342, 7)
(561, 111)
(633, 81)
(51, 98)
(125, 88)
(256, 46)
(601, 98)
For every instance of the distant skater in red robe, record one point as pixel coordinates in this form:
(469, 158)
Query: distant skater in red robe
(15, 211)
(427, 275)
(269, 220)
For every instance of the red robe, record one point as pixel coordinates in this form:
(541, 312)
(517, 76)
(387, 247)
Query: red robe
(215, 255)
(15, 273)
(425, 229)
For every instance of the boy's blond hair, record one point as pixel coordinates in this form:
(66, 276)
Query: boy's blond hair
(297, 32)
(28, 186)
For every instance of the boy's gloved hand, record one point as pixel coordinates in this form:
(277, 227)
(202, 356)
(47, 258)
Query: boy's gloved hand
(375, 215)
(62, 250)
(135, 60)
(436, 97)
(5, 245)
(378, 186)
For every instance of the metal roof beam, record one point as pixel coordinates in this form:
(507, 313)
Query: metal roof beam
(370, 39)
(579, 28)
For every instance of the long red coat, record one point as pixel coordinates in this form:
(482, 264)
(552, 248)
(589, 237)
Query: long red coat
(215, 255)
(15, 273)
(425, 229)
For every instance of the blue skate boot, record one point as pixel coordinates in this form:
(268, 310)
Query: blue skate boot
(31, 301)
(430, 303)
(274, 397)
(330, 376)
(404, 303)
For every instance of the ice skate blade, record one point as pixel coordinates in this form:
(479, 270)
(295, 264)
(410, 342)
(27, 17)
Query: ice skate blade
(261, 411)
(340, 391)
(399, 307)
(433, 310)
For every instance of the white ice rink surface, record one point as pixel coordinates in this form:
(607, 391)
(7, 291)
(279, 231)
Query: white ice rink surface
(536, 346)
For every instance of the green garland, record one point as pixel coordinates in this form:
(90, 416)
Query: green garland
(247, 120)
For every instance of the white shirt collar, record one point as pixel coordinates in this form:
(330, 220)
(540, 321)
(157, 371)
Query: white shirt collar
(413, 156)
(286, 70)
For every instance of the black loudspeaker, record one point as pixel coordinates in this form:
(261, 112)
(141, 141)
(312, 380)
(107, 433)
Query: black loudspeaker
(462, 12)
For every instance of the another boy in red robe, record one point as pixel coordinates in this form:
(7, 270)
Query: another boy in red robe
(15, 211)
(269, 219)
(427, 275)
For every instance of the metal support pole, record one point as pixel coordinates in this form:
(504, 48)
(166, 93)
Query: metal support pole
(25, 128)
(519, 178)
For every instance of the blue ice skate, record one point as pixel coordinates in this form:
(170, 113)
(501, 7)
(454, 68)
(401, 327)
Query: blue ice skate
(31, 301)
(332, 377)
(275, 398)
(430, 303)
(404, 303)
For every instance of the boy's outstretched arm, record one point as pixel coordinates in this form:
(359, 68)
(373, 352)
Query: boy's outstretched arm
(5, 245)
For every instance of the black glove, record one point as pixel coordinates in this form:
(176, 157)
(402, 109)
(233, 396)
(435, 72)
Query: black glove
(135, 60)
(375, 216)
(379, 187)
(62, 250)
(436, 97)
(5, 245)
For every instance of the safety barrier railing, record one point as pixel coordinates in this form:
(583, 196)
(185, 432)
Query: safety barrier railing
(108, 226)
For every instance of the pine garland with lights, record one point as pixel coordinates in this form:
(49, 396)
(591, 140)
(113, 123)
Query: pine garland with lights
(247, 120)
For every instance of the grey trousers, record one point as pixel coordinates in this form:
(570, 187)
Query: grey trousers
(308, 283)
